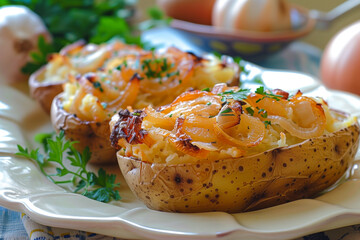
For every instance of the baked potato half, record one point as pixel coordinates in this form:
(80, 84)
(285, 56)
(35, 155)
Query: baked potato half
(228, 151)
(92, 134)
(43, 91)
(74, 59)
(47, 82)
(132, 80)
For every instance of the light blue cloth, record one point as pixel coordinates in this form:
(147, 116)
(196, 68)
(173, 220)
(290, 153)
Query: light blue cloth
(11, 226)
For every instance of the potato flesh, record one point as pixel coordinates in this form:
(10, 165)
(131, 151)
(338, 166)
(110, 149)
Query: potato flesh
(94, 135)
(44, 92)
(243, 184)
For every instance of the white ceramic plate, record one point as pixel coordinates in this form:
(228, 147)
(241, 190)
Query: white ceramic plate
(23, 188)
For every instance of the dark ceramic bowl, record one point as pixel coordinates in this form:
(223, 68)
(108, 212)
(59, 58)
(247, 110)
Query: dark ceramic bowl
(246, 44)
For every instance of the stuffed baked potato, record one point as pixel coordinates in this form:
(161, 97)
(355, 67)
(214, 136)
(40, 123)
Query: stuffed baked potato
(132, 80)
(74, 59)
(232, 150)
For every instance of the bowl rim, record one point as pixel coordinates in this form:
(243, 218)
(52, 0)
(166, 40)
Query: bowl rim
(249, 36)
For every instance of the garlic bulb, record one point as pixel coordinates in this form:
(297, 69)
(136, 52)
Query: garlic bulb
(19, 32)
(252, 15)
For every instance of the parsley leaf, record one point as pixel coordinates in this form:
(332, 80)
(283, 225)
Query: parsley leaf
(250, 111)
(227, 110)
(261, 90)
(42, 139)
(105, 191)
(206, 89)
(238, 95)
(100, 187)
(267, 123)
(263, 113)
(97, 85)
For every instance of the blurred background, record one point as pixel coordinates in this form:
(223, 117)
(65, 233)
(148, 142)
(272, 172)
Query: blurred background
(318, 38)
(98, 21)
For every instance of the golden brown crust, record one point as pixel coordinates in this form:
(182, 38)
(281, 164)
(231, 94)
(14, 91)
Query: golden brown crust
(247, 183)
(44, 92)
(93, 134)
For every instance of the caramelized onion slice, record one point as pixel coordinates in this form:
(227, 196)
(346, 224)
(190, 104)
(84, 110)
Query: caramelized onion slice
(296, 130)
(229, 115)
(273, 106)
(198, 103)
(308, 120)
(200, 128)
(182, 142)
(92, 61)
(179, 69)
(191, 98)
(250, 132)
(159, 119)
(206, 146)
(128, 96)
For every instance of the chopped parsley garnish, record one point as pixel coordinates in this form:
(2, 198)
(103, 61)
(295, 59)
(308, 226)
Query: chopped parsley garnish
(158, 68)
(238, 95)
(125, 63)
(100, 186)
(97, 85)
(177, 73)
(263, 113)
(165, 66)
(267, 123)
(119, 67)
(250, 111)
(227, 110)
(261, 91)
(206, 89)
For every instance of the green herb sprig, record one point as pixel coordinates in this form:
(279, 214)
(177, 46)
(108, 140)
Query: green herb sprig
(261, 90)
(100, 186)
(238, 95)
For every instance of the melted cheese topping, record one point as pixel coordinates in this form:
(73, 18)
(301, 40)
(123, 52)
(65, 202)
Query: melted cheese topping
(160, 77)
(168, 141)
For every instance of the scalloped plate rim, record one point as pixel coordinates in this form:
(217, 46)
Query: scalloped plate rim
(24, 204)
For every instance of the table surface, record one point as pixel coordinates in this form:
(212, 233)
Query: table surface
(298, 56)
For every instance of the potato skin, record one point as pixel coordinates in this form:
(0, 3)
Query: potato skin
(95, 135)
(247, 183)
(44, 92)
